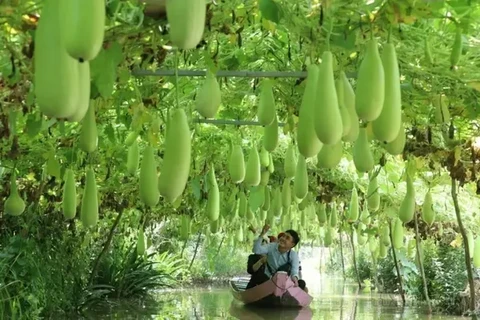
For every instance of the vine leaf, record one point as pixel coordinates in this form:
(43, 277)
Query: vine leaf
(270, 10)
(103, 69)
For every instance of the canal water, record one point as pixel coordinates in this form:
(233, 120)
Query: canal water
(333, 299)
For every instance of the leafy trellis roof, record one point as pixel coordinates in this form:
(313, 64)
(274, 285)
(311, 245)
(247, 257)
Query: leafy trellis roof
(263, 35)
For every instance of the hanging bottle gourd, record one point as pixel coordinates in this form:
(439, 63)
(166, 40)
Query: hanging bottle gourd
(133, 158)
(89, 209)
(236, 164)
(141, 242)
(327, 117)
(69, 196)
(176, 161)
(253, 168)
(349, 100)
(266, 104)
(88, 134)
(14, 205)
(428, 214)
(387, 124)
(290, 163)
(213, 201)
(308, 143)
(148, 181)
(300, 184)
(370, 91)
(187, 22)
(209, 97)
(407, 207)
(83, 24)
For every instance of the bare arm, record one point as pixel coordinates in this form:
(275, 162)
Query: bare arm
(258, 264)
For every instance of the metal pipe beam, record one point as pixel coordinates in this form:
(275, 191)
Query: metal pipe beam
(225, 73)
(220, 122)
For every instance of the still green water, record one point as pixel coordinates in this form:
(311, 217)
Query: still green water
(333, 299)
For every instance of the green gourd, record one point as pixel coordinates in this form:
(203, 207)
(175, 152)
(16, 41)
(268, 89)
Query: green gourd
(349, 100)
(187, 22)
(373, 197)
(253, 168)
(407, 207)
(133, 158)
(370, 92)
(266, 202)
(326, 115)
(266, 104)
(290, 162)
(286, 193)
(56, 73)
(362, 152)
(236, 164)
(397, 234)
(209, 97)
(242, 204)
(300, 184)
(396, 146)
(346, 123)
(83, 26)
(330, 155)
(322, 214)
(14, 205)
(353, 210)
(177, 156)
(89, 207)
(83, 93)
(141, 244)
(270, 136)
(88, 135)
(333, 215)
(148, 180)
(428, 214)
(442, 114)
(69, 196)
(213, 200)
(457, 47)
(271, 165)
(387, 125)
(308, 143)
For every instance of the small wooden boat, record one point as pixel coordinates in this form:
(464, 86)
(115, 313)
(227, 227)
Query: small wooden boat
(279, 291)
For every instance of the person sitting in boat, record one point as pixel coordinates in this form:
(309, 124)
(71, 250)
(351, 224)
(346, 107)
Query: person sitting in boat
(301, 283)
(256, 262)
(279, 256)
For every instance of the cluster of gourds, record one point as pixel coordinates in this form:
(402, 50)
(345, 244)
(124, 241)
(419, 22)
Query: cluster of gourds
(70, 34)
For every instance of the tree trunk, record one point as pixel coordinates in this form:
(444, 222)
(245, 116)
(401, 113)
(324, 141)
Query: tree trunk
(199, 238)
(341, 254)
(399, 276)
(420, 264)
(468, 264)
(355, 260)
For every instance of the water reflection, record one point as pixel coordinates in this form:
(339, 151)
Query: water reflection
(333, 300)
(241, 312)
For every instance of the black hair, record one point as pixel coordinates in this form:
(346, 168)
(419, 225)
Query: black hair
(295, 236)
(302, 284)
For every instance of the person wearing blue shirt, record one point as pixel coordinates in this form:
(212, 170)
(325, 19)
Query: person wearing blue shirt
(280, 256)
